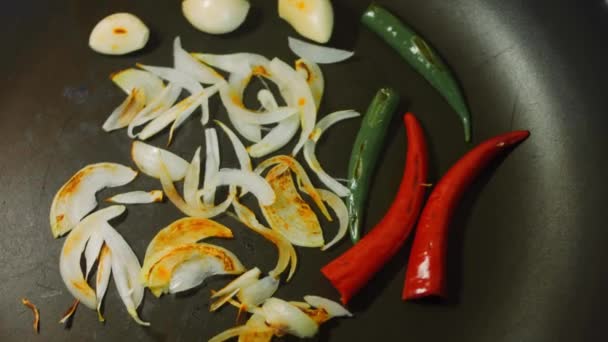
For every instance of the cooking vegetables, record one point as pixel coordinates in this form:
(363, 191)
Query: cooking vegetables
(352, 270)
(317, 53)
(119, 34)
(148, 160)
(137, 197)
(425, 274)
(311, 158)
(76, 197)
(336, 204)
(215, 16)
(102, 278)
(313, 19)
(126, 111)
(366, 150)
(313, 75)
(36, 313)
(421, 56)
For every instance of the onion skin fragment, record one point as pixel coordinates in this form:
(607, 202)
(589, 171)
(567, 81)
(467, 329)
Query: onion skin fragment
(34, 309)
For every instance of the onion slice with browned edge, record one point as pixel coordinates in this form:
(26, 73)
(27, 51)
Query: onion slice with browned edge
(234, 105)
(132, 78)
(35, 311)
(187, 64)
(73, 247)
(310, 146)
(314, 77)
(183, 116)
(237, 145)
(332, 308)
(148, 159)
(76, 197)
(175, 76)
(137, 197)
(156, 108)
(290, 215)
(338, 206)
(126, 270)
(232, 63)
(183, 231)
(102, 279)
(287, 318)
(191, 181)
(304, 182)
(212, 164)
(126, 111)
(246, 180)
(300, 96)
(317, 53)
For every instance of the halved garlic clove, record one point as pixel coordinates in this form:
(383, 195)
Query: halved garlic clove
(76, 198)
(313, 19)
(119, 34)
(215, 16)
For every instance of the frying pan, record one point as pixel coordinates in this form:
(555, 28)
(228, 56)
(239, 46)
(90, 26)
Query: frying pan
(526, 248)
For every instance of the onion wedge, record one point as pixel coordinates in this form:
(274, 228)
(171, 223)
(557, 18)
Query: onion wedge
(311, 158)
(214, 260)
(76, 197)
(181, 232)
(189, 65)
(301, 96)
(317, 53)
(332, 308)
(126, 270)
(290, 215)
(132, 78)
(314, 77)
(304, 182)
(237, 145)
(137, 197)
(154, 109)
(246, 180)
(126, 111)
(212, 164)
(148, 160)
(286, 253)
(102, 279)
(341, 211)
(73, 247)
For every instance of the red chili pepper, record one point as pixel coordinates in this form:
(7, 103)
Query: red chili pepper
(425, 274)
(352, 270)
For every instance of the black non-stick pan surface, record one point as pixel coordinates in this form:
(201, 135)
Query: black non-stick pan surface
(528, 245)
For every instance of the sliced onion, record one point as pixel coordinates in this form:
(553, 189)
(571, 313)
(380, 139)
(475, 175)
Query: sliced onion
(154, 109)
(332, 308)
(290, 215)
(126, 270)
(148, 159)
(317, 53)
(256, 293)
(184, 108)
(187, 64)
(102, 280)
(73, 247)
(314, 77)
(311, 158)
(35, 311)
(191, 180)
(238, 82)
(212, 164)
(126, 111)
(178, 201)
(304, 182)
(76, 197)
(228, 334)
(338, 206)
(235, 285)
(267, 100)
(246, 180)
(237, 145)
(215, 259)
(287, 254)
(234, 104)
(191, 274)
(137, 197)
(208, 92)
(278, 137)
(288, 319)
(301, 97)
(233, 63)
(184, 231)
(255, 330)
(175, 76)
(91, 252)
(132, 78)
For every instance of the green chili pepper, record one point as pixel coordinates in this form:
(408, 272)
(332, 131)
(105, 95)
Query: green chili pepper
(419, 55)
(366, 151)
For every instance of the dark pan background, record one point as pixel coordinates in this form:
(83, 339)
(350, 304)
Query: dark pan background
(529, 243)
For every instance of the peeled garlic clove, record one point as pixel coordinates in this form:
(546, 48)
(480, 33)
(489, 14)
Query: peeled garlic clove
(313, 19)
(119, 34)
(215, 16)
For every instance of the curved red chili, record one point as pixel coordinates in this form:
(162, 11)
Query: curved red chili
(352, 270)
(425, 274)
